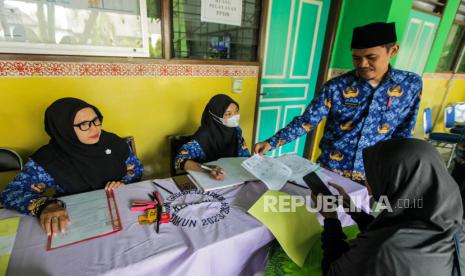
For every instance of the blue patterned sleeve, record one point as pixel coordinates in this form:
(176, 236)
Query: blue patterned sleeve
(243, 150)
(134, 169)
(29, 189)
(406, 127)
(189, 151)
(300, 125)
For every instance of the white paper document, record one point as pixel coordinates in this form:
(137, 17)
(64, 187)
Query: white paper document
(235, 174)
(93, 214)
(300, 167)
(270, 171)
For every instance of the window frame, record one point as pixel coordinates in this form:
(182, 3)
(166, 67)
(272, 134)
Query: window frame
(437, 3)
(457, 55)
(166, 48)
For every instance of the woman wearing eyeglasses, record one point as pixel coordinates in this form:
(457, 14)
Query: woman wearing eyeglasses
(79, 157)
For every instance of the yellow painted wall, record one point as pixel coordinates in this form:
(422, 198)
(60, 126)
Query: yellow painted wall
(456, 94)
(148, 108)
(433, 93)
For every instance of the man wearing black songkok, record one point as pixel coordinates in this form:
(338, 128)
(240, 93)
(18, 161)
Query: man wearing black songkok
(372, 103)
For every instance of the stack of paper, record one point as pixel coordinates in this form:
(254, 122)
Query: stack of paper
(235, 174)
(274, 172)
(270, 171)
(300, 167)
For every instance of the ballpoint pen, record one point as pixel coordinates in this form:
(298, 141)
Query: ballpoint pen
(159, 205)
(163, 188)
(217, 171)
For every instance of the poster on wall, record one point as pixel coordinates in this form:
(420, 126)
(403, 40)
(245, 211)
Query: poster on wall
(227, 12)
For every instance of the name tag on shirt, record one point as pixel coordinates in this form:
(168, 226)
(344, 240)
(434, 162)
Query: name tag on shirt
(351, 102)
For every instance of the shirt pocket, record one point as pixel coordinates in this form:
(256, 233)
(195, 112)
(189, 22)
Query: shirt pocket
(344, 113)
(397, 111)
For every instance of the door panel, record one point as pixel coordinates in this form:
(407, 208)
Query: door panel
(417, 41)
(294, 40)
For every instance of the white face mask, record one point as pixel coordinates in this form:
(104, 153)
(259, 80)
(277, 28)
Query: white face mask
(233, 121)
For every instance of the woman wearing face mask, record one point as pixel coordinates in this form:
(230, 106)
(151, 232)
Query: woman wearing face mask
(79, 157)
(218, 136)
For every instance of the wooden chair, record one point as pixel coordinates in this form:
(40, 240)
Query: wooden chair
(176, 142)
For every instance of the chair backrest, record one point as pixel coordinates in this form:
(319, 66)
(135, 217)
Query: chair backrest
(10, 160)
(459, 110)
(131, 143)
(176, 142)
(427, 121)
(449, 116)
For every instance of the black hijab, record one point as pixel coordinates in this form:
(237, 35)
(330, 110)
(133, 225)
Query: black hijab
(216, 139)
(75, 166)
(407, 241)
(412, 169)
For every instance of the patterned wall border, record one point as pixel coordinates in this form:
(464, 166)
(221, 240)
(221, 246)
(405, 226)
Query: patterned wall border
(14, 69)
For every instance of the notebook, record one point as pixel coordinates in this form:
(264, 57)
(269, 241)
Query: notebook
(235, 174)
(93, 215)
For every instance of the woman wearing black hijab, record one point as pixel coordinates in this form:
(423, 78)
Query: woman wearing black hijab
(218, 136)
(79, 157)
(458, 172)
(421, 234)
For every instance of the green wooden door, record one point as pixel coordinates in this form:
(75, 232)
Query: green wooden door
(294, 39)
(417, 41)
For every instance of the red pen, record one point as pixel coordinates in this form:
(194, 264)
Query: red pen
(388, 104)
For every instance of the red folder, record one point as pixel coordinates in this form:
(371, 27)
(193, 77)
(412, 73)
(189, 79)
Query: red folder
(114, 218)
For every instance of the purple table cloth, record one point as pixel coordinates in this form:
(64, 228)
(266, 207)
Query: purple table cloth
(210, 234)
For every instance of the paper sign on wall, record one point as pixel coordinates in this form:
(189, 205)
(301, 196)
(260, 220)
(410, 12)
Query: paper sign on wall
(227, 12)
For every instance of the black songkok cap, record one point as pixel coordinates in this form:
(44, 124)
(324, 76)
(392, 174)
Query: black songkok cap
(374, 34)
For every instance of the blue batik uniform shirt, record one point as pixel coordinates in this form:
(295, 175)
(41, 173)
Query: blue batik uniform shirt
(358, 116)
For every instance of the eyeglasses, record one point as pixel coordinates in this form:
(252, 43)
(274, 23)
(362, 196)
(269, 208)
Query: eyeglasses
(84, 126)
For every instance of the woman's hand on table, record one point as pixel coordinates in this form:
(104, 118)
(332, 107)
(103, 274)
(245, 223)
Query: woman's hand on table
(214, 171)
(217, 173)
(54, 219)
(113, 185)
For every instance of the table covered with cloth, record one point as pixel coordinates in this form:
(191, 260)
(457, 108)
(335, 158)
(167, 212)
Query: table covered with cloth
(210, 233)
